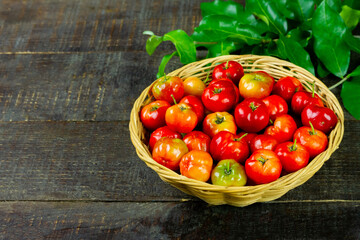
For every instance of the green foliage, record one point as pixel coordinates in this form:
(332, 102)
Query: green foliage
(350, 16)
(295, 53)
(351, 98)
(329, 30)
(314, 34)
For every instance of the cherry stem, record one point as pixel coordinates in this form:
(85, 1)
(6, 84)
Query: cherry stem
(313, 89)
(293, 147)
(262, 160)
(253, 107)
(340, 82)
(172, 95)
(219, 119)
(312, 128)
(227, 65)
(238, 139)
(207, 79)
(217, 90)
(228, 167)
(154, 108)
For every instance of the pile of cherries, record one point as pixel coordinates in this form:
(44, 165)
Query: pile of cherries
(237, 129)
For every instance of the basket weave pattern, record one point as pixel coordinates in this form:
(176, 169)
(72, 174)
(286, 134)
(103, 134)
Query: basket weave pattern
(246, 195)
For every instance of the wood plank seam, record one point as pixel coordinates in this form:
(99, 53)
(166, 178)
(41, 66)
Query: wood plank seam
(175, 201)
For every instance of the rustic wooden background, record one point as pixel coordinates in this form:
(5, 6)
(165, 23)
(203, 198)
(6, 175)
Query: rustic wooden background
(69, 74)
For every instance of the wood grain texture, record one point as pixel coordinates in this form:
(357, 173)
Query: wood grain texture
(73, 87)
(190, 220)
(96, 161)
(91, 25)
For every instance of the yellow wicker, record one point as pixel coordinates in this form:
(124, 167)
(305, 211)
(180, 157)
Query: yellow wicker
(246, 195)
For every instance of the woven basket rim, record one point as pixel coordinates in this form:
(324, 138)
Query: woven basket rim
(293, 179)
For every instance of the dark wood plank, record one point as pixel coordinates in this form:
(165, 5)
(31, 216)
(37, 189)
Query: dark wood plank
(191, 220)
(76, 87)
(97, 161)
(91, 25)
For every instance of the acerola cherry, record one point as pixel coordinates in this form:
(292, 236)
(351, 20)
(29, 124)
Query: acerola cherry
(230, 69)
(286, 87)
(313, 140)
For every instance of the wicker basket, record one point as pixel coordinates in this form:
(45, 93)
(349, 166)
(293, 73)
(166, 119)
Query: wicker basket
(246, 195)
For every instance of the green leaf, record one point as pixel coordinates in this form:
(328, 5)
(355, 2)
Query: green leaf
(258, 50)
(269, 13)
(354, 4)
(223, 48)
(184, 45)
(164, 62)
(282, 7)
(334, 4)
(300, 10)
(273, 50)
(300, 36)
(335, 59)
(321, 70)
(152, 43)
(249, 19)
(350, 16)
(303, 9)
(306, 25)
(234, 10)
(355, 73)
(217, 7)
(217, 28)
(328, 31)
(246, 49)
(352, 42)
(295, 53)
(350, 94)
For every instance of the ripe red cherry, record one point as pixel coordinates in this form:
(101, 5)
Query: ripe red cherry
(169, 151)
(276, 106)
(313, 140)
(226, 145)
(230, 69)
(257, 84)
(160, 133)
(263, 166)
(322, 118)
(302, 99)
(219, 96)
(167, 88)
(283, 128)
(262, 141)
(286, 87)
(153, 115)
(217, 122)
(248, 137)
(180, 117)
(197, 140)
(293, 156)
(197, 165)
(196, 106)
(238, 97)
(251, 115)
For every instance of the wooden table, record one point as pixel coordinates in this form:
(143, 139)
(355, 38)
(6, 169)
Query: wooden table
(70, 72)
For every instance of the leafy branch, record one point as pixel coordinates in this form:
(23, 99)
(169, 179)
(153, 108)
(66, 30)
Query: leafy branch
(314, 34)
